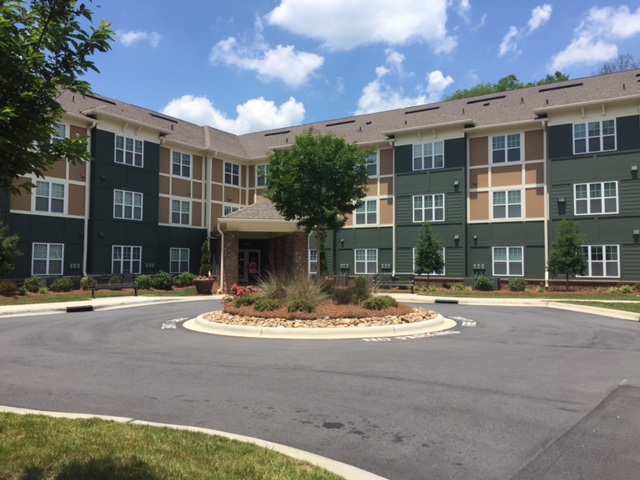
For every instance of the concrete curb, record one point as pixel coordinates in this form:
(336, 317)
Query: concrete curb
(605, 312)
(201, 325)
(342, 469)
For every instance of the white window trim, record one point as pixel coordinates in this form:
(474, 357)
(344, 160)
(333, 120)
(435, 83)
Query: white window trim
(233, 208)
(425, 209)
(183, 156)
(432, 157)
(508, 274)
(366, 213)
(181, 212)
(47, 259)
(122, 261)
(65, 202)
(124, 150)
(507, 205)
(265, 168)
(602, 198)
(123, 217)
(233, 175)
(66, 132)
(413, 262)
(506, 149)
(366, 261)
(180, 261)
(376, 162)
(589, 272)
(601, 137)
(311, 262)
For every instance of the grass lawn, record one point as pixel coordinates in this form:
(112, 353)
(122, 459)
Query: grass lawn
(45, 448)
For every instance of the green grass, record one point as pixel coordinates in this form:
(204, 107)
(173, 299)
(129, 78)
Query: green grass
(45, 448)
(553, 295)
(627, 307)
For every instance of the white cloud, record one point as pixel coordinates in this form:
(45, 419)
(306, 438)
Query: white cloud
(509, 42)
(594, 39)
(463, 9)
(344, 25)
(395, 60)
(254, 115)
(131, 37)
(539, 16)
(437, 83)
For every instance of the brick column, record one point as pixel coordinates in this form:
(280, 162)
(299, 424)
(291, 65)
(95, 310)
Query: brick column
(299, 254)
(230, 260)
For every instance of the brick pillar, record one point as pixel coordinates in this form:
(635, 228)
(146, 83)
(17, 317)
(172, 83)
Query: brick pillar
(230, 260)
(299, 254)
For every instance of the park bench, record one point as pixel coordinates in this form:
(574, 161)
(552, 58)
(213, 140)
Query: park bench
(396, 280)
(104, 283)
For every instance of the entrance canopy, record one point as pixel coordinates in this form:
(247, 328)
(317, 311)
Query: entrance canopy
(261, 218)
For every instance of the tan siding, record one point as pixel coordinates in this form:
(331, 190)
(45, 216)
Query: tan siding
(218, 170)
(164, 185)
(76, 200)
(22, 202)
(534, 145)
(197, 167)
(535, 202)
(479, 178)
(59, 170)
(196, 214)
(252, 176)
(386, 186)
(163, 210)
(181, 188)
(349, 221)
(372, 187)
(506, 176)
(386, 162)
(75, 131)
(165, 160)
(479, 151)
(216, 213)
(232, 194)
(216, 193)
(534, 173)
(386, 211)
(196, 190)
(78, 172)
(479, 206)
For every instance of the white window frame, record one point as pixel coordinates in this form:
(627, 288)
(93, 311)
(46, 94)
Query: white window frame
(50, 197)
(229, 209)
(508, 205)
(313, 260)
(367, 213)
(182, 214)
(261, 175)
(130, 150)
(127, 205)
(372, 164)
(442, 254)
(428, 156)
(508, 261)
(506, 146)
(52, 265)
(59, 128)
(181, 164)
(604, 252)
(133, 262)
(593, 200)
(427, 207)
(232, 174)
(177, 259)
(368, 260)
(593, 137)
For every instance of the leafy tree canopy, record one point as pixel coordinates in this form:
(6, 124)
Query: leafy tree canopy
(566, 256)
(427, 258)
(8, 251)
(510, 82)
(45, 47)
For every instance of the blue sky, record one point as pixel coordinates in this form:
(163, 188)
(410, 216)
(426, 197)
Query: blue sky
(250, 65)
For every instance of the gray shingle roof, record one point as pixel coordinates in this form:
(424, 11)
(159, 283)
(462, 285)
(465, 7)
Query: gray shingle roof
(262, 210)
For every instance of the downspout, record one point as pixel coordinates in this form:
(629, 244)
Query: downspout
(87, 203)
(547, 213)
(221, 258)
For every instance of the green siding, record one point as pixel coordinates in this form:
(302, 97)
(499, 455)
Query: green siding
(628, 133)
(560, 141)
(454, 261)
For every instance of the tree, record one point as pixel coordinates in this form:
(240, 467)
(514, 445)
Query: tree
(428, 258)
(317, 182)
(43, 50)
(621, 63)
(566, 256)
(205, 259)
(510, 82)
(8, 251)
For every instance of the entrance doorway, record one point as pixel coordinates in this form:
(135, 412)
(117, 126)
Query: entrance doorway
(248, 266)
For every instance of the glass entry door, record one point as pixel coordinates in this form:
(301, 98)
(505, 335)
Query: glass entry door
(248, 266)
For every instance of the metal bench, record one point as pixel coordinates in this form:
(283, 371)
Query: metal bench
(397, 280)
(103, 283)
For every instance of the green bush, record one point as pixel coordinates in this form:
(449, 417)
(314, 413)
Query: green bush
(143, 282)
(33, 284)
(8, 287)
(305, 289)
(380, 303)
(361, 289)
(342, 295)
(162, 281)
(301, 306)
(266, 305)
(446, 285)
(614, 290)
(484, 284)
(626, 289)
(43, 290)
(22, 291)
(115, 280)
(638, 286)
(273, 286)
(245, 300)
(87, 283)
(64, 284)
(458, 286)
(518, 285)
(185, 279)
(540, 289)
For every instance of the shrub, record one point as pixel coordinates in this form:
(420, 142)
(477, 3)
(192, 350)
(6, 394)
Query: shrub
(185, 279)
(33, 284)
(115, 280)
(484, 284)
(614, 290)
(540, 289)
(8, 287)
(638, 286)
(245, 300)
(22, 291)
(305, 289)
(64, 284)
(518, 285)
(380, 303)
(162, 281)
(342, 295)
(266, 305)
(43, 290)
(626, 289)
(143, 282)
(273, 286)
(467, 289)
(433, 288)
(446, 285)
(458, 286)
(301, 306)
(361, 289)
(87, 283)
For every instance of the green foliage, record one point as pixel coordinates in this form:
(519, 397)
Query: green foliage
(566, 256)
(63, 284)
(33, 284)
(626, 289)
(44, 49)
(266, 305)
(428, 258)
(43, 290)
(458, 286)
(245, 300)
(510, 82)
(143, 282)
(446, 285)
(317, 182)
(185, 279)
(8, 287)
(116, 280)
(162, 281)
(305, 289)
(8, 243)
(22, 291)
(484, 284)
(273, 286)
(361, 290)
(205, 259)
(638, 286)
(380, 303)
(87, 283)
(540, 289)
(301, 306)
(342, 295)
(518, 285)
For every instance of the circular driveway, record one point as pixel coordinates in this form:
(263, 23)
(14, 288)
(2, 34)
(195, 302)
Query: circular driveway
(494, 400)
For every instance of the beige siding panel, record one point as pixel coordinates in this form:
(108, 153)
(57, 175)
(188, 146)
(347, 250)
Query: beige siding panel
(216, 193)
(164, 185)
(386, 211)
(386, 162)
(196, 214)
(386, 186)
(479, 206)
(180, 188)
(216, 213)
(534, 145)
(78, 172)
(252, 176)
(197, 167)
(507, 176)
(59, 169)
(349, 220)
(232, 194)
(196, 190)
(243, 175)
(535, 202)
(372, 187)
(478, 151)
(163, 210)
(534, 173)
(218, 170)
(479, 178)
(23, 202)
(76, 200)
(165, 160)
(75, 131)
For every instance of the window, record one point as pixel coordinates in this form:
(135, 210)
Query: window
(178, 260)
(230, 209)
(313, 261)
(367, 213)
(597, 136)
(593, 198)
(128, 151)
(441, 252)
(261, 175)
(231, 173)
(428, 208)
(125, 259)
(49, 197)
(508, 261)
(60, 132)
(181, 164)
(127, 205)
(506, 148)
(366, 261)
(47, 259)
(507, 204)
(180, 212)
(372, 164)
(428, 156)
(603, 260)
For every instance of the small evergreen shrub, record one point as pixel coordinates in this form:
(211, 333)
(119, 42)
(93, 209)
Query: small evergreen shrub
(64, 284)
(380, 303)
(143, 282)
(162, 281)
(638, 286)
(484, 284)
(614, 290)
(301, 306)
(22, 291)
(33, 284)
(43, 290)
(433, 288)
(8, 287)
(245, 300)
(518, 285)
(458, 286)
(87, 283)
(540, 289)
(361, 289)
(185, 279)
(266, 305)
(626, 289)
(116, 280)
(446, 285)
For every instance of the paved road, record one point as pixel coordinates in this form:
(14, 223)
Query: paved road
(527, 393)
